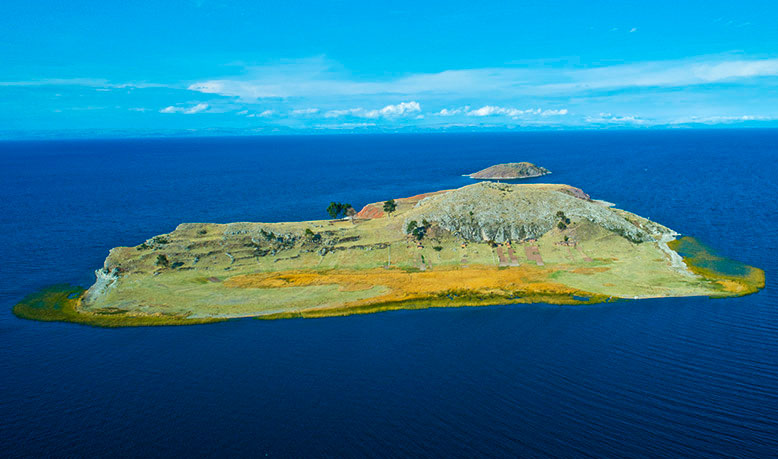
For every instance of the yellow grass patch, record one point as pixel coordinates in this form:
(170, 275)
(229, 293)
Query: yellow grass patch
(732, 286)
(590, 270)
(525, 281)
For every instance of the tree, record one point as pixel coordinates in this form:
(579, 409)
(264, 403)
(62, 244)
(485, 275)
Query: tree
(563, 220)
(390, 206)
(336, 209)
(416, 230)
(419, 232)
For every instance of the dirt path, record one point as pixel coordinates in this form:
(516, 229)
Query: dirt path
(586, 257)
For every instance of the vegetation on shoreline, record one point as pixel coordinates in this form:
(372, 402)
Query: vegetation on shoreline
(730, 276)
(59, 303)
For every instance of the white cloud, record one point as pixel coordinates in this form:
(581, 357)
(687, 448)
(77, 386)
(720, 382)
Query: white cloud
(345, 126)
(86, 82)
(201, 107)
(721, 119)
(492, 110)
(389, 111)
(337, 113)
(264, 114)
(315, 78)
(633, 30)
(608, 118)
(453, 111)
(401, 109)
(562, 111)
(305, 111)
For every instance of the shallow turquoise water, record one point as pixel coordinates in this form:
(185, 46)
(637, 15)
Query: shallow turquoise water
(707, 258)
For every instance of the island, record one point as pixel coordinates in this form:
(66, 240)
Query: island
(510, 171)
(484, 244)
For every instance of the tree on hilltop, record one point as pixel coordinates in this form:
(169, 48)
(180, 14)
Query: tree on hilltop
(390, 206)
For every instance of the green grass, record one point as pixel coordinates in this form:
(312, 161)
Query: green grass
(58, 303)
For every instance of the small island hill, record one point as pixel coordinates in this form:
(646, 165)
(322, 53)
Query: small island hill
(510, 171)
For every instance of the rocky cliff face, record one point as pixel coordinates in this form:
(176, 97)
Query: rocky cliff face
(502, 212)
(105, 278)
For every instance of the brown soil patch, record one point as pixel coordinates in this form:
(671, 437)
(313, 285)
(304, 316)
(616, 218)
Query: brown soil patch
(371, 211)
(419, 197)
(501, 256)
(376, 209)
(533, 254)
(512, 255)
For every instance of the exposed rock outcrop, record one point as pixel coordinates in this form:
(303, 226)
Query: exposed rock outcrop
(502, 212)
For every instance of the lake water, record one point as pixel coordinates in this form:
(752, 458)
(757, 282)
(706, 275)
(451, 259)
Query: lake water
(671, 377)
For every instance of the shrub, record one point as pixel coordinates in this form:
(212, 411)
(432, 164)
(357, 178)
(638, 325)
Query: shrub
(162, 260)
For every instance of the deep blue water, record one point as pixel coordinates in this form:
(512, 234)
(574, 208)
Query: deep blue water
(675, 377)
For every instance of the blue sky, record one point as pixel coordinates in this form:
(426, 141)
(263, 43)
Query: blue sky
(86, 67)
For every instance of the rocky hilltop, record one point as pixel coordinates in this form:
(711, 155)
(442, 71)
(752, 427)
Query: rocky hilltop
(510, 171)
(497, 212)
